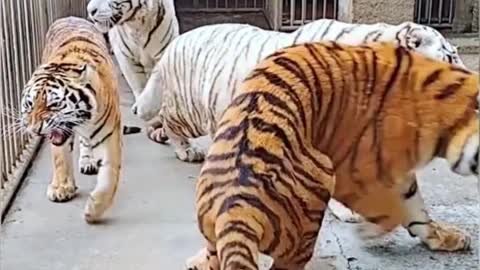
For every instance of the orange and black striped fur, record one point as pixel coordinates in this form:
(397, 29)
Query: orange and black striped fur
(320, 120)
(74, 92)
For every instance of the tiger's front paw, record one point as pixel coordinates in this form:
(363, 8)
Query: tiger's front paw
(97, 204)
(157, 134)
(88, 165)
(443, 237)
(190, 154)
(61, 192)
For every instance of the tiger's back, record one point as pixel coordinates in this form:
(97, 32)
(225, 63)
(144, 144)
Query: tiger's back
(314, 109)
(63, 33)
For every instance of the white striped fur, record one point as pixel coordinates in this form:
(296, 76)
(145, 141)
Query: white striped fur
(139, 31)
(197, 77)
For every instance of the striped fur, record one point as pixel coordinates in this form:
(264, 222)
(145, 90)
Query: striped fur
(197, 78)
(320, 120)
(74, 92)
(195, 98)
(139, 31)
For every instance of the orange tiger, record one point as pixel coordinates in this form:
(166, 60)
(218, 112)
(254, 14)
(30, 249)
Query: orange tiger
(75, 92)
(322, 119)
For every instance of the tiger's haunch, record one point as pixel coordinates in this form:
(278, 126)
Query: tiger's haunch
(320, 118)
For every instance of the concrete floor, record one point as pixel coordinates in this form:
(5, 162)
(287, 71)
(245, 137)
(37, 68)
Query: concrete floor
(152, 223)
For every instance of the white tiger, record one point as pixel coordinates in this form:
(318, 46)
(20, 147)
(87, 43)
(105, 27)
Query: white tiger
(202, 68)
(196, 78)
(139, 31)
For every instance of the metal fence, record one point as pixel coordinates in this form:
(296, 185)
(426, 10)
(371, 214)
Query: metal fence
(283, 15)
(435, 13)
(23, 25)
(221, 5)
(295, 13)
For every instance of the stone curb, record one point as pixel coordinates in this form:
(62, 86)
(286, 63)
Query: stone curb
(466, 45)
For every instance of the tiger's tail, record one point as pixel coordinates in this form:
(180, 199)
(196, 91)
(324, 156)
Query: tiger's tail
(238, 236)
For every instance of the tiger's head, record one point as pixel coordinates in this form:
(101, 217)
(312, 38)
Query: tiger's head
(107, 13)
(58, 99)
(429, 42)
(457, 105)
(462, 150)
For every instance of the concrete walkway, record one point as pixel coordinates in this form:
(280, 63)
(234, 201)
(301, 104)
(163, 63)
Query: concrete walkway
(152, 224)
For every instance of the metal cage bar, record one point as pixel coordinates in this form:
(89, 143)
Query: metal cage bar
(435, 13)
(295, 13)
(220, 5)
(23, 25)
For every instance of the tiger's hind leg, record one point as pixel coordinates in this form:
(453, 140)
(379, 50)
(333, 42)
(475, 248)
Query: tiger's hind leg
(62, 188)
(435, 236)
(87, 163)
(183, 149)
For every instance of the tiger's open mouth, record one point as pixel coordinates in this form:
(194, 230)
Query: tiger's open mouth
(58, 137)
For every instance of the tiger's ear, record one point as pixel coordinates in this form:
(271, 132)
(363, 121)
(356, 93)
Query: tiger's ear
(87, 73)
(265, 262)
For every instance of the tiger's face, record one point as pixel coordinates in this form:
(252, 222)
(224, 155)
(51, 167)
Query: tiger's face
(58, 99)
(462, 152)
(107, 13)
(431, 43)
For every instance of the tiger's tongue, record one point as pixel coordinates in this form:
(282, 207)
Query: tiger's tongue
(57, 137)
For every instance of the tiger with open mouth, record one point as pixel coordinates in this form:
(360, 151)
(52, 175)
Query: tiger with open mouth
(74, 92)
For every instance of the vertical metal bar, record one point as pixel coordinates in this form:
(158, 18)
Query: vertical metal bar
(304, 11)
(429, 11)
(324, 11)
(314, 10)
(3, 18)
(450, 12)
(278, 15)
(292, 12)
(9, 149)
(2, 104)
(335, 9)
(440, 7)
(419, 10)
(16, 29)
(22, 21)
